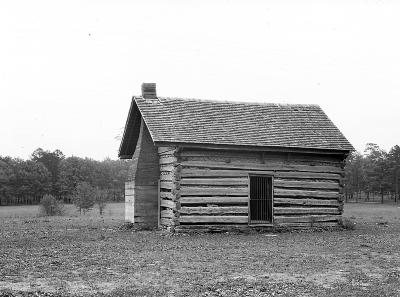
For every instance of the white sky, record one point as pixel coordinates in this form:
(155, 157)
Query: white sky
(68, 69)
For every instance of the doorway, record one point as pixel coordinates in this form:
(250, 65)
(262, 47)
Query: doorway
(260, 199)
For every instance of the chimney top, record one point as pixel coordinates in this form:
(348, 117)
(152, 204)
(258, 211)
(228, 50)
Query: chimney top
(149, 91)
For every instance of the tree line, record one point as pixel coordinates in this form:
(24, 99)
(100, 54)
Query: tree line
(373, 173)
(46, 172)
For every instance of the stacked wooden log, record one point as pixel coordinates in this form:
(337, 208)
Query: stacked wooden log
(169, 187)
(200, 187)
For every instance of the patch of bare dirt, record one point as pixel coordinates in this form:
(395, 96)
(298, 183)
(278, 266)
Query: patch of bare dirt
(81, 257)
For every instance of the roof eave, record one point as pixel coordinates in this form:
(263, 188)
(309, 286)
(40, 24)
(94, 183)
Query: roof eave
(128, 137)
(256, 148)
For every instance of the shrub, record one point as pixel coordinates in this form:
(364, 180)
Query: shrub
(84, 196)
(50, 206)
(347, 224)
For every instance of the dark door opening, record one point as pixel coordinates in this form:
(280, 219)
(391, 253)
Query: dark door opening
(260, 204)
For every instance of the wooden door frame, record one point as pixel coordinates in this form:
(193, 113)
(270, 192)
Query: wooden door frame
(272, 198)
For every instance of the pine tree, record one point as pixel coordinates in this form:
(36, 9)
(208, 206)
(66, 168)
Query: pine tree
(84, 197)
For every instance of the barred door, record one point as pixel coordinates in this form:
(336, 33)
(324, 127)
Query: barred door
(260, 204)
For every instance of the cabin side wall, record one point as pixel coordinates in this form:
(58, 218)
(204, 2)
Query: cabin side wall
(141, 194)
(210, 187)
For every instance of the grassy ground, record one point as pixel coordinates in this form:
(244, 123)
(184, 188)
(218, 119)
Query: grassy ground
(79, 256)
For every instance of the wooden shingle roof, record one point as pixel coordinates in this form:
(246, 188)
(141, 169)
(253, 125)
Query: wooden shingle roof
(190, 121)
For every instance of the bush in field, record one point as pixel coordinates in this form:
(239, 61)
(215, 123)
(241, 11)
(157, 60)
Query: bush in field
(84, 196)
(347, 224)
(50, 206)
(101, 199)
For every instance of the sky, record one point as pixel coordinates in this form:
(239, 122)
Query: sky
(68, 69)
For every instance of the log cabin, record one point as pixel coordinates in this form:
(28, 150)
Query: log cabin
(219, 164)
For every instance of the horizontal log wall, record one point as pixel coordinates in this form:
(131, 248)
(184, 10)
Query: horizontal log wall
(213, 187)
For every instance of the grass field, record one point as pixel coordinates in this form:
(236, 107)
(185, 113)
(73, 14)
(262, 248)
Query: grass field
(87, 255)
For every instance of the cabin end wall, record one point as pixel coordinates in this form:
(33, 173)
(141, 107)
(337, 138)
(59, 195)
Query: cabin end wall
(141, 193)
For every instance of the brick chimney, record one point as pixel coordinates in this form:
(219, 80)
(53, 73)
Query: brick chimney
(149, 91)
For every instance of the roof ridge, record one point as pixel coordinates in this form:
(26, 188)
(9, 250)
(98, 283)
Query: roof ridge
(234, 102)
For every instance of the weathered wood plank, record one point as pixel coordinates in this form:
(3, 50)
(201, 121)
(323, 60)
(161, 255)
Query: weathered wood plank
(168, 203)
(218, 227)
(308, 175)
(305, 210)
(265, 167)
(168, 160)
(195, 172)
(305, 193)
(308, 225)
(167, 177)
(214, 219)
(149, 190)
(146, 205)
(166, 222)
(148, 214)
(215, 210)
(305, 184)
(228, 191)
(214, 200)
(168, 185)
(223, 154)
(167, 195)
(215, 181)
(167, 213)
(245, 227)
(167, 168)
(306, 202)
(230, 148)
(166, 150)
(305, 219)
(245, 156)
